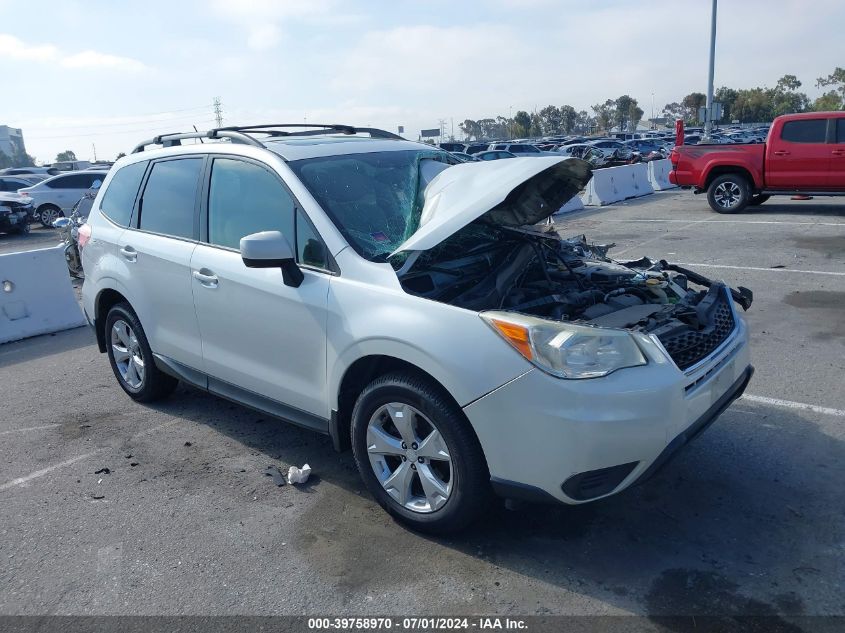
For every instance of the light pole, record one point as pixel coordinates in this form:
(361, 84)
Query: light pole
(708, 113)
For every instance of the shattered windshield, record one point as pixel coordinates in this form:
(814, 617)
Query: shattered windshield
(374, 199)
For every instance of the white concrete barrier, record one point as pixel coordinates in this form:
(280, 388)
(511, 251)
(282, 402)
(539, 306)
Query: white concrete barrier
(613, 184)
(658, 174)
(574, 204)
(639, 179)
(36, 296)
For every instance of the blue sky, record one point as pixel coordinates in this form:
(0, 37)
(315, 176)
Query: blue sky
(113, 73)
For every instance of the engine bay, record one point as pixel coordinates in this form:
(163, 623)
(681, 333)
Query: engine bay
(489, 267)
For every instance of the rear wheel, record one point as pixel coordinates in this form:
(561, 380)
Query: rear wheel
(418, 455)
(758, 199)
(131, 358)
(47, 214)
(729, 193)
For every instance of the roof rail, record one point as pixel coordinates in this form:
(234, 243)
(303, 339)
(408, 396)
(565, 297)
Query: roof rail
(174, 139)
(308, 129)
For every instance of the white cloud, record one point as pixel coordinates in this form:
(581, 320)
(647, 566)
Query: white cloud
(93, 59)
(13, 48)
(263, 19)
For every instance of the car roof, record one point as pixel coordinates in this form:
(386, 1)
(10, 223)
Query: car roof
(333, 145)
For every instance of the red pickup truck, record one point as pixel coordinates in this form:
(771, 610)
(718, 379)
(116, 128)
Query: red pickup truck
(804, 154)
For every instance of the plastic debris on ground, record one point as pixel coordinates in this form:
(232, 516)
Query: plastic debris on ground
(276, 474)
(299, 475)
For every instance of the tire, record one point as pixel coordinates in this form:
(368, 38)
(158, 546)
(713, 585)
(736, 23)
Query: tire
(23, 229)
(729, 193)
(47, 213)
(142, 381)
(758, 199)
(438, 425)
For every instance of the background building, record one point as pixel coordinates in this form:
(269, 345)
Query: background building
(10, 138)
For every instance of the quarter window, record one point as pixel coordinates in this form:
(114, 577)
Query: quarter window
(244, 199)
(167, 205)
(804, 131)
(310, 249)
(119, 198)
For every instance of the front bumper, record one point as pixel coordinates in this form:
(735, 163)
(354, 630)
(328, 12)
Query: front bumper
(574, 441)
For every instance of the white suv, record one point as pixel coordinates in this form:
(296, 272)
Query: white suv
(367, 288)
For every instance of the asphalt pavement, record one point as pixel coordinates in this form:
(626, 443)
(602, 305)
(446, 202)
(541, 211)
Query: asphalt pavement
(747, 521)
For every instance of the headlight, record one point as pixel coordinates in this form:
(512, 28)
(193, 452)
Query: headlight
(564, 349)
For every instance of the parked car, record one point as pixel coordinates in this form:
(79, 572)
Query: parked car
(21, 171)
(520, 149)
(463, 157)
(72, 165)
(644, 147)
(494, 155)
(475, 148)
(452, 350)
(54, 197)
(804, 153)
(13, 183)
(15, 212)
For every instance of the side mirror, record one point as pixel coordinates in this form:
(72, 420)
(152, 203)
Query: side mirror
(271, 249)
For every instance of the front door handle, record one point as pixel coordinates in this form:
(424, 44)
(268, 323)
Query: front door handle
(129, 254)
(781, 152)
(208, 280)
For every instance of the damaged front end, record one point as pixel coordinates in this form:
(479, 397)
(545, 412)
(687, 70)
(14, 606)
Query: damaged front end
(565, 305)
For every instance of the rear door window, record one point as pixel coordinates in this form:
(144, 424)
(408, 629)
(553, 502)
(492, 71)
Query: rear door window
(804, 131)
(119, 198)
(840, 130)
(169, 198)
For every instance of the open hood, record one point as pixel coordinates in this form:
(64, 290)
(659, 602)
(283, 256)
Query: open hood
(512, 192)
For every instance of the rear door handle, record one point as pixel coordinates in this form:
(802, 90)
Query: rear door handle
(781, 152)
(207, 280)
(129, 253)
(838, 152)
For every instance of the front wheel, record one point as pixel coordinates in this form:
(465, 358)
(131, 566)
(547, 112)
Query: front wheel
(418, 455)
(729, 193)
(758, 199)
(132, 359)
(23, 229)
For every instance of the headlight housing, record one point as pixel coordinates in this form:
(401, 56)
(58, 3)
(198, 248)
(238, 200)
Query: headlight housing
(566, 350)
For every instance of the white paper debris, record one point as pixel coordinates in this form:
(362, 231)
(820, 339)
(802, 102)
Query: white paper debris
(299, 475)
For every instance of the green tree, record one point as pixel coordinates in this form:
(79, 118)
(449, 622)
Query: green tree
(536, 126)
(674, 111)
(835, 79)
(828, 102)
(584, 123)
(471, 129)
(753, 105)
(5, 160)
(568, 118)
(522, 123)
(622, 110)
(551, 119)
(692, 102)
(121, 155)
(605, 114)
(66, 155)
(727, 97)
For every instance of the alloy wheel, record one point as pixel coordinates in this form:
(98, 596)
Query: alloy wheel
(728, 195)
(48, 215)
(409, 457)
(126, 351)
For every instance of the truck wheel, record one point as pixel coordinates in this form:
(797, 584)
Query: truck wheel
(729, 193)
(757, 200)
(418, 455)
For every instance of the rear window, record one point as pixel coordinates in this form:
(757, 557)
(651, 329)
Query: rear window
(804, 131)
(119, 198)
(167, 205)
(840, 130)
